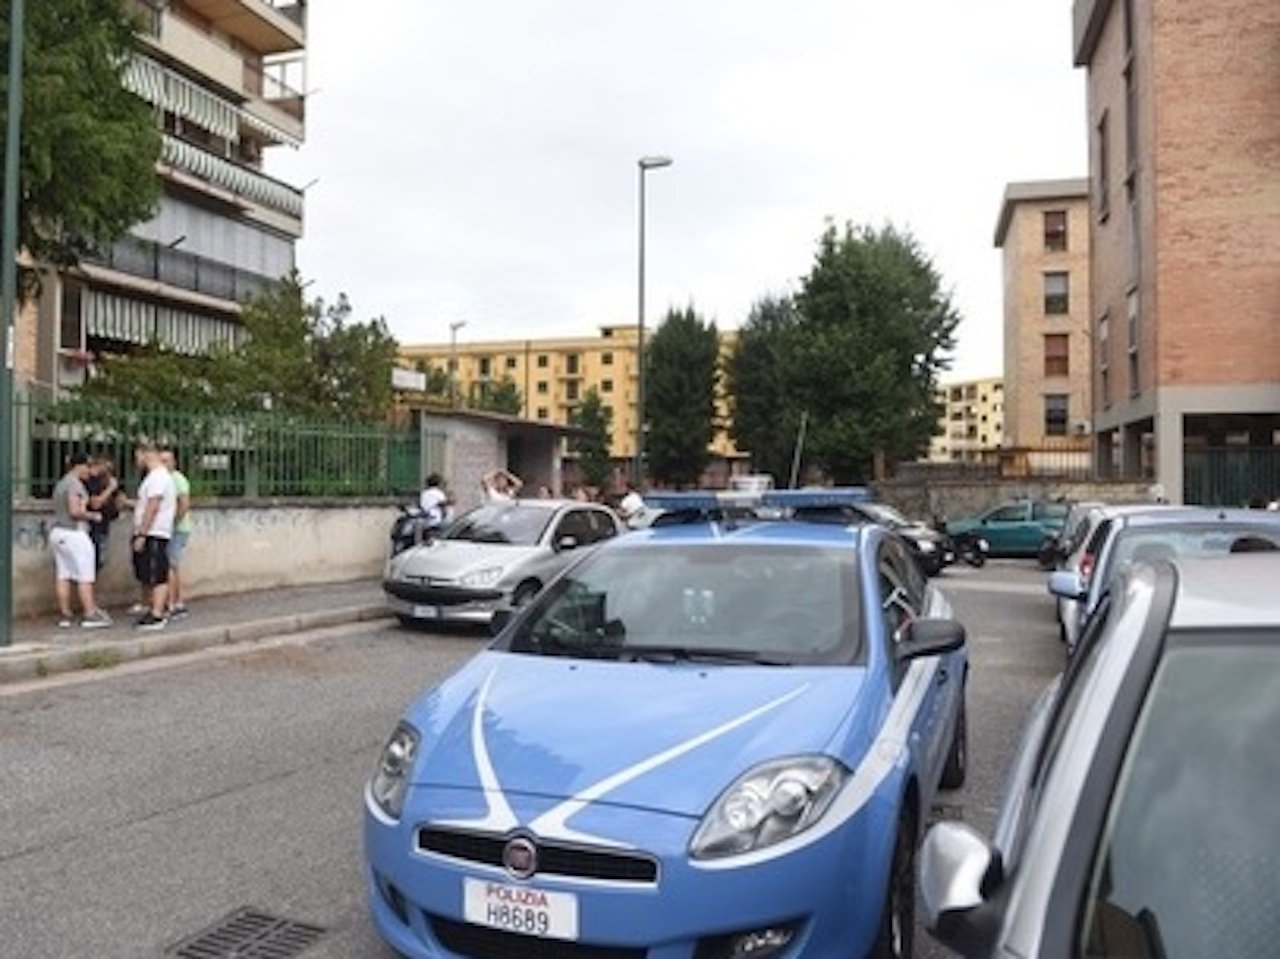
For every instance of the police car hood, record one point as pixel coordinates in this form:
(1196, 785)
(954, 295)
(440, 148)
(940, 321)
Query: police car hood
(532, 731)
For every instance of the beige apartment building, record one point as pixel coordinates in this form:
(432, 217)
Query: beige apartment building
(972, 421)
(1184, 127)
(1043, 233)
(225, 79)
(554, 375)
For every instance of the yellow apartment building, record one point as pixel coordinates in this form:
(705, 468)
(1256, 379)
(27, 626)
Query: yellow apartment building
(1043, 234)
(972, 420)
(554, 375)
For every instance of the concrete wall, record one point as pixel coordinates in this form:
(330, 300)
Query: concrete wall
(234, 546)
(952, 500)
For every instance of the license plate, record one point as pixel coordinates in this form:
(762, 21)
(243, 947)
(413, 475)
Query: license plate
(520, 909)
(426, 612)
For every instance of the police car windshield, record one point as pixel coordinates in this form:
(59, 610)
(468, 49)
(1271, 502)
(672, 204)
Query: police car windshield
(767, 604)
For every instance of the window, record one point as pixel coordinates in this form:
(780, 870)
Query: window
(542, 412)
(485, 366)
(1055, 231)
(1102, 163)
(1057, 354)
(1104, 358)
(1057, 293)
(542, 387)
(1130, 131)
(571, 364)
(571, 390)
(606, 359)
(542, 361)
(1189, 870)
(1056, 408)
(1013, 513)
(511, 362)
(606, 386)
(1131, 307)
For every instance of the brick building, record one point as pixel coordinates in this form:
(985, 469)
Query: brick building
(1043, 235)
(1184, 133)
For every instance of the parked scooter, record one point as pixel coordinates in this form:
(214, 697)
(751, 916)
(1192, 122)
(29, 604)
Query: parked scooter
(971, 548)
(412, 527)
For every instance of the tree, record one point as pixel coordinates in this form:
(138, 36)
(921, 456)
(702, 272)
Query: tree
(438, 381)
(680, 373)
(874, 332)
(593, 446)
(89, 146)
(500, 397)
(766, 421)
(305, 358)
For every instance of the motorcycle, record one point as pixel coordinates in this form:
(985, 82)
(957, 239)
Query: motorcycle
(412, 527)
(971, 548)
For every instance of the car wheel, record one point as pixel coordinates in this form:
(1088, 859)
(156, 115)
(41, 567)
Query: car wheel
(524, 592)
(953, 772)
(895, 938)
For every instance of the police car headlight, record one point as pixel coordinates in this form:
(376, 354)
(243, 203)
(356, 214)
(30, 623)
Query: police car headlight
(482, 577)
(925, 545)
(772, 802)
(391, 778)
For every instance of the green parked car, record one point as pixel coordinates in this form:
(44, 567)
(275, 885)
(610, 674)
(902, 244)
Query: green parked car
(1014, 528)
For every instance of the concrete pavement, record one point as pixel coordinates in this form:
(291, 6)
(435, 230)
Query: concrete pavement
(39, 648)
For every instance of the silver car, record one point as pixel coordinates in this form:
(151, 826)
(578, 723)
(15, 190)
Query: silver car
(496, 556)
(1140, 818)
(1145, 533)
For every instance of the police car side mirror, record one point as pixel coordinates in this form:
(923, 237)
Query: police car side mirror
(930, 637)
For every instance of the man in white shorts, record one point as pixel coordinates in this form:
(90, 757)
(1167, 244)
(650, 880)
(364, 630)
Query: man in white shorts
(73, 553)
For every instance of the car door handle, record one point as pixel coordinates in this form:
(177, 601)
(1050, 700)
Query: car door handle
(942, 675)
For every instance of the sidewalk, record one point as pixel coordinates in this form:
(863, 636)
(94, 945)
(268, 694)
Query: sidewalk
(39, 648)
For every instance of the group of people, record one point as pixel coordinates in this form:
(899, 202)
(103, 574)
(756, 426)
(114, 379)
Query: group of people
(86, 501)
(504, 486)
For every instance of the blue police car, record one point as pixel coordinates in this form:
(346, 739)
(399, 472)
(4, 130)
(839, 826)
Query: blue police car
(712, 739)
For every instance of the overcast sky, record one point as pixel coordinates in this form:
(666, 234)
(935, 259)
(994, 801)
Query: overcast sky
(477, 160)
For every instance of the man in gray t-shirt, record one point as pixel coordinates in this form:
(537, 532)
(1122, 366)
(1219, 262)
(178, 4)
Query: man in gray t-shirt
(72, 548)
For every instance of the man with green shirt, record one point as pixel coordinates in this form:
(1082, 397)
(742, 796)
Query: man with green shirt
(181, 532)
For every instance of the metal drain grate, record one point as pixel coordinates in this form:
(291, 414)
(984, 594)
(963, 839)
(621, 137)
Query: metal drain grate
(250, 934)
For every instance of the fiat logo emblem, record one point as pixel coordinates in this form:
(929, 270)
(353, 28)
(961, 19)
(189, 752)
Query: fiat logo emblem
(520, 858)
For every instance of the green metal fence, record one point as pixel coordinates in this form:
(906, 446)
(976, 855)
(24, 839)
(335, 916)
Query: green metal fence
(260, 454)
(1231, 475)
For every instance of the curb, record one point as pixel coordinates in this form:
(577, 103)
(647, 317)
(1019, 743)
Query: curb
(104, 655)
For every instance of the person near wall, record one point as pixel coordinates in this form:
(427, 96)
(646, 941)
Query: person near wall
(181, 533)
(153, 517)
(72, 548)
(434, 501)
(500, 486)
(106, 498)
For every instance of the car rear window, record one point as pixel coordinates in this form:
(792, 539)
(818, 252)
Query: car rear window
(788, 604)
(1189, 864)
(1148, 544)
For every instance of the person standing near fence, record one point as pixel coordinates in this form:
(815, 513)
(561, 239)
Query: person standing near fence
(72, 549)
(104, 498)
(181, 533)
(153, 516)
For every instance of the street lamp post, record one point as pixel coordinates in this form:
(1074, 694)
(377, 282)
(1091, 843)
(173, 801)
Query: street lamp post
(645, 164)
(454, 327)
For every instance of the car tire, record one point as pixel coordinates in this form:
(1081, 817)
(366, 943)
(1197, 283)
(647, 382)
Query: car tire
(953, 773)
(895, 938)
(525, 592)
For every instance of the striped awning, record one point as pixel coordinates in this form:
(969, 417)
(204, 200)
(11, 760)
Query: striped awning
(127, 320)
(174, 93)
(231, 176)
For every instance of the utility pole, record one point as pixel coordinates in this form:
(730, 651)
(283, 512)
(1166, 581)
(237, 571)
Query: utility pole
(8, 298)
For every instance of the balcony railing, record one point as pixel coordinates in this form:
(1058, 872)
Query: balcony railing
(153, 261)
(242, 181)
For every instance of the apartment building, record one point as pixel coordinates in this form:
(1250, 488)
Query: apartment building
(225, 79)
(1185, 252)
(554, 375)
(972, 421)
(1043, 234)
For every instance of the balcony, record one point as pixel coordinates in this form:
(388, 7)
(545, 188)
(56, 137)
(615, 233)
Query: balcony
(252, 187)
(152, 261)
(265, 26)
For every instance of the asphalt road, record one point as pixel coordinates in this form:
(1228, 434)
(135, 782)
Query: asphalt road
(140, 807)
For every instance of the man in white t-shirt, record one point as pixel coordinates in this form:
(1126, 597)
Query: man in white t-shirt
(632, 504)
(434, 502)
(153, 518)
